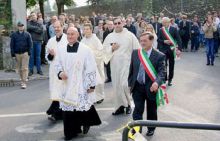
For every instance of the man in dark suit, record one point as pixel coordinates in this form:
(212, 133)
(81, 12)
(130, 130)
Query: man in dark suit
(156, 25)
(94, 19)
(184, 31)
(164, 46)
(109, 30)
(130, 26)
(141, 86)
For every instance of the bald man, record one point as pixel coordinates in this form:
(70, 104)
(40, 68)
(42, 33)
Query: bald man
(165, 46)
(76, 68)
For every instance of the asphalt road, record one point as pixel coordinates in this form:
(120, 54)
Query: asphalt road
(194, 97)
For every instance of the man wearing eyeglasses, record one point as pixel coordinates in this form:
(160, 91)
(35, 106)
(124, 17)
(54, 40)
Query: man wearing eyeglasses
(118, 47)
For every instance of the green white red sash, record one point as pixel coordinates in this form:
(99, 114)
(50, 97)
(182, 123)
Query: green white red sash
(170, 38)
(161, 96)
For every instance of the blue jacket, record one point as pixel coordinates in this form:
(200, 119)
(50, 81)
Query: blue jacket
(20, 43)
(131, 29)
(196, 31)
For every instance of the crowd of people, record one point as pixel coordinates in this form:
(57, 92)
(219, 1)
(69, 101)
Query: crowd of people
(138, 54)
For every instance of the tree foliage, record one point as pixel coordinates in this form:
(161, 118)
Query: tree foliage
(60, 4)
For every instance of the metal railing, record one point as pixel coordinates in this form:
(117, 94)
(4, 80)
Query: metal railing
(180, 125)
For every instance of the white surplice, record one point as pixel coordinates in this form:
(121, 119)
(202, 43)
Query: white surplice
(80, 68)
(97, 48)
(120, 61)
(54, 83)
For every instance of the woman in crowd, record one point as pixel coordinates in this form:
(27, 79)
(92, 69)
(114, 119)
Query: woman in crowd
(150, 28)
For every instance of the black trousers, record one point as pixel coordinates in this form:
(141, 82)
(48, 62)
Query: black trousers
(140, 96)
(108, 71)
(55, 111)
(185, 42)
(171, 61)
(43, 52)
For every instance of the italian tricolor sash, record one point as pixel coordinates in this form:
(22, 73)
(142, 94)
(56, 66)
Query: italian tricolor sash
(161, 96)
(170, 38)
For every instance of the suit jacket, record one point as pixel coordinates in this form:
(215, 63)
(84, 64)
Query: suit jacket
(185, 30)
(131, 29)
(94, 21)
(164, 47)
(157, 27)
(105, 34)
(158, 60)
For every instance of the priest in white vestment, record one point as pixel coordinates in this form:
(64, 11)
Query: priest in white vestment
(76, 67)
(118, 47)
(92, 41)
(55, 85)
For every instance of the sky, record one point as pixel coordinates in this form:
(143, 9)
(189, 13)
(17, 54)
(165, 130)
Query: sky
(78, 2)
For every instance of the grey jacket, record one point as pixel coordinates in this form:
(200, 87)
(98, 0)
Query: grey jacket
(36, 30)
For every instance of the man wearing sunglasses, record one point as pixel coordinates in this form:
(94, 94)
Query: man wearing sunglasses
(118, 47)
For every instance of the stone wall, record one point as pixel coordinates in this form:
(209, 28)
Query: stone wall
(11, 11)
(8, 62)
(188, 7)
(150, 7)
(1, 54)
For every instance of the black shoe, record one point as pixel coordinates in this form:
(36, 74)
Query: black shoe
(119, 111)
(100, 101)
(108, 81)
(208, 64)
(133, 131)
(128, 109)
(70, 137)
(30, 73)
(170, 83)
(51, 118)
(212, 64)
(44, 63)
(86, 129)
(40, 73)
(149, 133)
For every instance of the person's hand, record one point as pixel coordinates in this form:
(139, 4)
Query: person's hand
(63, 76)
(52, 52)
(167, 42)
(90, 91)
(115, 46)
(207, 24)
(14, 58)
(178, 53)
(154, 87)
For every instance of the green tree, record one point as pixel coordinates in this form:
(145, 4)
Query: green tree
(62, 3)
(31, 3)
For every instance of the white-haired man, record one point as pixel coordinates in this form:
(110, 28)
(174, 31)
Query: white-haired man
(168, 40)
